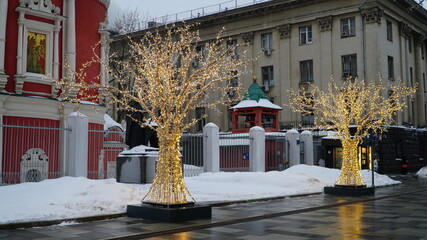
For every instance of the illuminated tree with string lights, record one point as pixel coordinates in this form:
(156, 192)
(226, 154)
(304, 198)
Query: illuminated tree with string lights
(368, 106)
(171, 77)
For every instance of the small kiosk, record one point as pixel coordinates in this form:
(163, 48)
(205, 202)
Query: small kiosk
(255, 109)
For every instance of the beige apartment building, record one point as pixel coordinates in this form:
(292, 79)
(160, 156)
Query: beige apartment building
(312, 41)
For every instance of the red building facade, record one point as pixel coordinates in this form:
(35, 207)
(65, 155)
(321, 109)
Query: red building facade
(41, 40)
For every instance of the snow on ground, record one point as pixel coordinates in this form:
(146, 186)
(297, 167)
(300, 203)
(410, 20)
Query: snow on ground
(69, 197)
(422, 172)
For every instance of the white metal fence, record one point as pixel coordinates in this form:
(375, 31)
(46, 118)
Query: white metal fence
(31, 154)
(192, 154)
(104, 147)
(234, 152)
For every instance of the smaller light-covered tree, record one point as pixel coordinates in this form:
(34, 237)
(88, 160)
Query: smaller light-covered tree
(173, 73)
(367, 106)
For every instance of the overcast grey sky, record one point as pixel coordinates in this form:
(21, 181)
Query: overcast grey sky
(159, 8)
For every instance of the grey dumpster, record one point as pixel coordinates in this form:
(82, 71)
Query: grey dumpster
(137, 165)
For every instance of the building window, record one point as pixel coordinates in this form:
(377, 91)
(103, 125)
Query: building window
(410, 44)
(422, 52)
(267, 76)
(200, 56)
(308, 119)
(349, 66)
(201, 115)
(424, 83)
(233, 83)
(306, 68)
(232, 48)
(305, 35)
(389, 31)
(267, 43)
(348, 27)
(201, 51)
(390, 62)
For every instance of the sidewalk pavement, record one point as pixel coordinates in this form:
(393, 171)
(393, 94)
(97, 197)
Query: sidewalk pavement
(396, 212)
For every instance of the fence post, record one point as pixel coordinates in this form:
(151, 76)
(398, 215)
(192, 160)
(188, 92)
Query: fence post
(292, 137)
(211, 148)
(77, 145)
(307, 138)
(257, 149)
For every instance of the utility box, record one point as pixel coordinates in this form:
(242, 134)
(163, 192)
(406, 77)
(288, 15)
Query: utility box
(137, 165)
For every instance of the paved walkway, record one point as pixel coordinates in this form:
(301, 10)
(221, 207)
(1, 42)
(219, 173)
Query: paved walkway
(398, 212)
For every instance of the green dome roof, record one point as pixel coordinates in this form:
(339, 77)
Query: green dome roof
(255, 92)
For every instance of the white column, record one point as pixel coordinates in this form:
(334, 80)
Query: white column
(56, 55)
(211, 148)
(105, 40)
(2, 110)
(292, 137)
(419, 119)
(307, 138)
(77, 148)
(3, 19)
(70, 49)
(19, 57)
(257, 149)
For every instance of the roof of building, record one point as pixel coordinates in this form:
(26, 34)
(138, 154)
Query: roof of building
(255, 92)
(256, 97)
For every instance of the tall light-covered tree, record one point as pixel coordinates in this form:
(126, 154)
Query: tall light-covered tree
(367, 106)
(172, 75)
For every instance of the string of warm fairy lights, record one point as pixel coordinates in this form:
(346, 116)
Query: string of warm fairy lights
(368, 106)
(167, 88)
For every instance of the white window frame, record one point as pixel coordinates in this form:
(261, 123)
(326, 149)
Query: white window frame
(389, 29)
(308, 64)
(267, 41)
(25, 25)
(390, 67)
(269, 72)
(305, 35)
(233, 44)
(349, 65)
(348, 27)
(42, 28)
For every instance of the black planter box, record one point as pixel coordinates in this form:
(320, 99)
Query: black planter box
(349, 191)
(169, 213)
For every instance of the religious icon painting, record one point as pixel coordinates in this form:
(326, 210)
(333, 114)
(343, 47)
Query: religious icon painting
(36, 53)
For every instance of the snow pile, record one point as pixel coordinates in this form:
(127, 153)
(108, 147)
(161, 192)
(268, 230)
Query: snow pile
(70, 197)
(65, 197)
(422, 172)
(138, 150)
